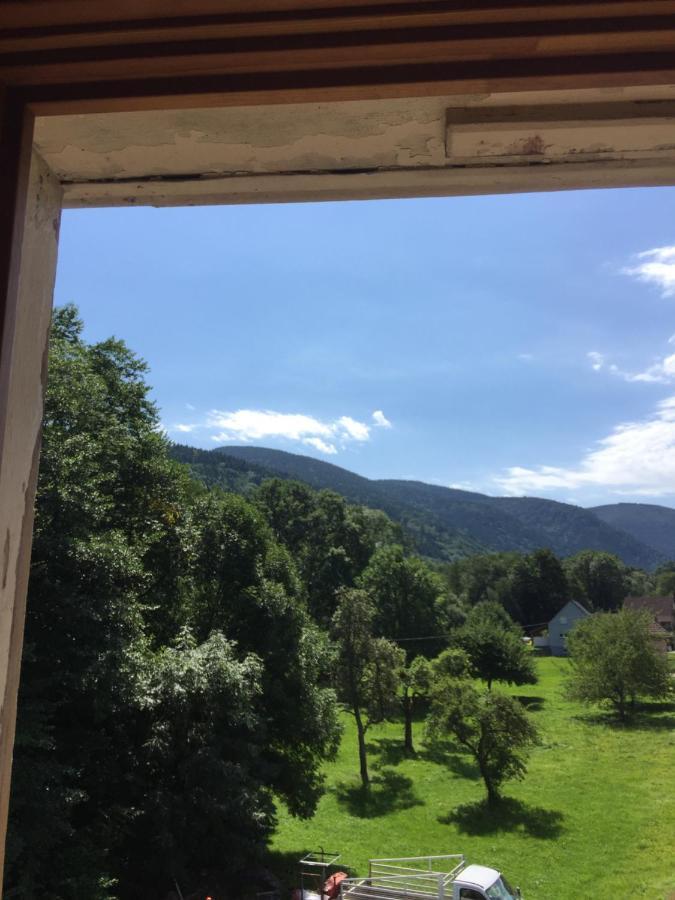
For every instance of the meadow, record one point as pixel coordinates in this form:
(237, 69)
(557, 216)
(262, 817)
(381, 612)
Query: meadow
(594, 817)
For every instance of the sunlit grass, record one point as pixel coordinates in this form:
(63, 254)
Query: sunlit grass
(594, 818)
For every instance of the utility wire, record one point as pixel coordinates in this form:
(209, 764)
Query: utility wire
(446, 637)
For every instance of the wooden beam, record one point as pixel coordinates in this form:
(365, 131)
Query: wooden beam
(231, 51)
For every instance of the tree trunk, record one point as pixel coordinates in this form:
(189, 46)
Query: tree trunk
(363, 759)
(490, 787)
(492, 793)
(408, 732)
(620, 706)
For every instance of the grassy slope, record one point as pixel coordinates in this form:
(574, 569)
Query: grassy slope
(595, 816)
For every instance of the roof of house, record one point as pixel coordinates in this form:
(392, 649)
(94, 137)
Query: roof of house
(657, 630)
(576, 603)
(660, 607)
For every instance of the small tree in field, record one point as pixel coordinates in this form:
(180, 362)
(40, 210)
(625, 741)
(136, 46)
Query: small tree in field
(493, 643)
(614, 661)
(416, 681)
(451, 663)
(491, 726)
(367, 668)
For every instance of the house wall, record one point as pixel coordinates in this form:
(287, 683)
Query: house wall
(561, 625)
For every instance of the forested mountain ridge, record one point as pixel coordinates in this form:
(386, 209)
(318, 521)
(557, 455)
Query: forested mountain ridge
(443, 523)
(653, 525)
(426, 532)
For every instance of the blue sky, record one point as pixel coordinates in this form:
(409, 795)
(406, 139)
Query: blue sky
(520, 344)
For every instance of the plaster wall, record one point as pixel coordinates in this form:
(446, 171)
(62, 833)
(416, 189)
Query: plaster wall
(359, 149)
(24, 362)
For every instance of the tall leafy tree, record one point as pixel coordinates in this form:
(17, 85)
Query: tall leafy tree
(330, 541)
(664, 576)
(537, 587)
(246, 586)
(199, 769)
(406, 593)
(127, 550)
(367, 669)
(107, 498)
(598, 579)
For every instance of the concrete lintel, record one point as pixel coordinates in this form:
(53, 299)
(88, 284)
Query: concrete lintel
(383, 184)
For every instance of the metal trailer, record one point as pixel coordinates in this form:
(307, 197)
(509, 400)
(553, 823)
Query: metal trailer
(314, 868)
(412, 877)
(427, 878)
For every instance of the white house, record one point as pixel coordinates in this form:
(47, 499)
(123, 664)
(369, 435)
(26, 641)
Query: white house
(562, 623)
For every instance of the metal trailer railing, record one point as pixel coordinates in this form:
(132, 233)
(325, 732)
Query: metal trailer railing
(397, 879)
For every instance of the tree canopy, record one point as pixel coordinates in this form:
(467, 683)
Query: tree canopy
(171, 668)
(406, 593)
(367, 668)
(494, 646)
(492, 727)
(614, 661)
(599, 580)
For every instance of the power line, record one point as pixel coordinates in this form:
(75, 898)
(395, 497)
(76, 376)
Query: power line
(446, 637)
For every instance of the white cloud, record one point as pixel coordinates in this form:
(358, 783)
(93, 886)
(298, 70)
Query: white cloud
(526, 357)
(660, 372)
(257, 424)
(321, 445)
(357, 431)
(636, 458)
(380, 419)
(597, 360)
(250, 425)
(190, 407)
(657, 267)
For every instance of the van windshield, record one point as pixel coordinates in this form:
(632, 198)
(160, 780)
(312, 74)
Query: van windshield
(501, 890)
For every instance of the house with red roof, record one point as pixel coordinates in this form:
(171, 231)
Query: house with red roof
(662, 613)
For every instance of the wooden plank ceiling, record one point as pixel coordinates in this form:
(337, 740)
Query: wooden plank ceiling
(314, 49)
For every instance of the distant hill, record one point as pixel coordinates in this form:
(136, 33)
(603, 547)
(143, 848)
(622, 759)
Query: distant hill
(443, 523)
(646, 522)
(568, 529)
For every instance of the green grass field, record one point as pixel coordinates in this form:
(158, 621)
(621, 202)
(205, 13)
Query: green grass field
(594, 818)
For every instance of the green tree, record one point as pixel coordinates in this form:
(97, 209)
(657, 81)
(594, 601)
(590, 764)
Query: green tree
(494, 645)
(382, 681)
(108, 499)
(246, 586)
(491, 726)
(536, 587)
(613, 661)
(329, 540)
(480, 577)
(451, 663)
(406, 593)
(597, 579)
(367, 669)
(416, 682)
(200, 766)
(127, 550)
(664, 577)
